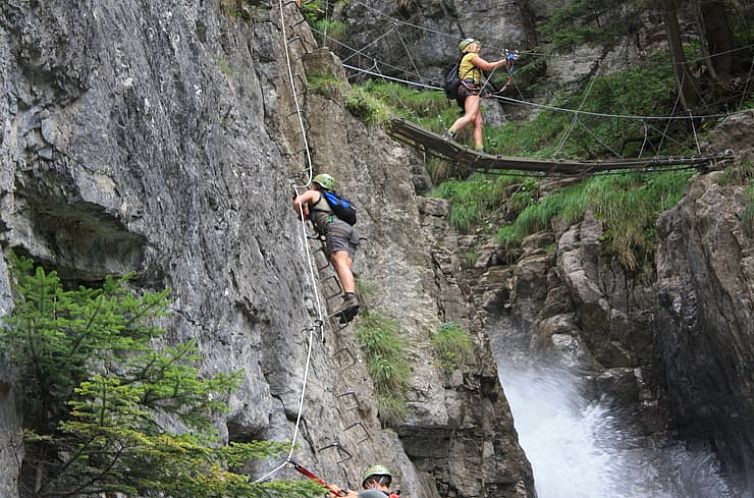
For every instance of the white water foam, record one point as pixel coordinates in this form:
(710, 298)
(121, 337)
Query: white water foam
(578, 449)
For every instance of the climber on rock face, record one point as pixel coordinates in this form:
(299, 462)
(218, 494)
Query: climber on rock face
(376, 484)
(341, 238)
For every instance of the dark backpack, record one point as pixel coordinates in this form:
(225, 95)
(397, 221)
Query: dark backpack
(341, 207)
(451, 81)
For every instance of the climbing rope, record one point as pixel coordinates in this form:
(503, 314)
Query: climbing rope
(522, 102)
(361, 50)
(567, 134)
(295, 96)
(559, 109)
(319, 324)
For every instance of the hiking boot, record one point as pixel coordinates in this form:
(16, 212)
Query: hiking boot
(348, 308)
(348, 316)
(449, 136)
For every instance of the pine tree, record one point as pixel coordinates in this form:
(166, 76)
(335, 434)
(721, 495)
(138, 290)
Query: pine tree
(97, 398)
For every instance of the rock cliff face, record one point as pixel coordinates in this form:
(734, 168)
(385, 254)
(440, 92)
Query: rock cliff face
(706, 291)
(674, 356)
(419, 38)
(159, 138)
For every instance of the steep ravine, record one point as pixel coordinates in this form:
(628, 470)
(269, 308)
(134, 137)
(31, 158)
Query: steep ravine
(669, 360)
(159, 139)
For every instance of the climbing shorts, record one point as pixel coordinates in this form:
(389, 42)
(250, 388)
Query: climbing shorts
(468, 88)
(341, 236)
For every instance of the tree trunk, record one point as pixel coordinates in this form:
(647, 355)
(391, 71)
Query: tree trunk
(683, 77)
(714, 24)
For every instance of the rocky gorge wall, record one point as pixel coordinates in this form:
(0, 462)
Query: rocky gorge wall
(671, 355)
(160, 139)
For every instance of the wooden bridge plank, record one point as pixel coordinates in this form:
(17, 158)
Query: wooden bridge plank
(435, 144)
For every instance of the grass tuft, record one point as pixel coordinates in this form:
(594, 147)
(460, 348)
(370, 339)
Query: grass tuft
(324, 83)
(385, 355)
(366, 107)
(628, 206)
(473, 199)
(453, 346)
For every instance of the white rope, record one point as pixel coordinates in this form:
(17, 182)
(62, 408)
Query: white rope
(293, 92)
(408, 53)
(696, 138)
(599, 141)
(361, 51)
(646, 138)
(575, 117)
(555, 108)
(357, 51)
(313, 280)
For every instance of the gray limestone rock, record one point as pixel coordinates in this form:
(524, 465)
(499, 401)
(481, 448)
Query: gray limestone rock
(705, 325)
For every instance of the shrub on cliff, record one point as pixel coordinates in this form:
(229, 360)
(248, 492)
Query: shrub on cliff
(452, 345)
(384, 352)
(105, 412)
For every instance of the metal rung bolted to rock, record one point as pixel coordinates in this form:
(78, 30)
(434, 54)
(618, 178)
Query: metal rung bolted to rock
(343, 454)
(344, 352)
(352, 396)
(356, 426)
(337, 325)
(338, 288)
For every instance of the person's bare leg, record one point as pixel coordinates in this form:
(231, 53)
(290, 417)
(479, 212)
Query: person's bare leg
(343, 264)
(471, 108)
(479, 132)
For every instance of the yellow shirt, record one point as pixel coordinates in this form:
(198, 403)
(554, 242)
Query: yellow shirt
(467, 70)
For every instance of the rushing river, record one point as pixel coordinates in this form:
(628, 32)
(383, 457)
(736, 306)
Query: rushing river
(581, 449)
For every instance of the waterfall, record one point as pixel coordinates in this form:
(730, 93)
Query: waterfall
(581, 448)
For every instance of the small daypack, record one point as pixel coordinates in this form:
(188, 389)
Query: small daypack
(451, 81)
(341, 207)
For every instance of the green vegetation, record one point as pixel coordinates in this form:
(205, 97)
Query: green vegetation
(324, 83)
(747, 217)
(453, 346)
(244, 9)
(643, 91)
(224, 66)
(430, 109)
(628, 206)
(740, 173)
(319, 15)
(384, 352)
(365, 288)
(366, 107)
(95, 396)
(473, 199)
(603, 22)
(470, 258)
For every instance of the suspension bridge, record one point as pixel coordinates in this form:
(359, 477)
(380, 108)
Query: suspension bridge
(435, 145)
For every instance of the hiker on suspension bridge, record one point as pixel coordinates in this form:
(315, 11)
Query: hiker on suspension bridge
(376, 484)
(333, 216)
(471, 90)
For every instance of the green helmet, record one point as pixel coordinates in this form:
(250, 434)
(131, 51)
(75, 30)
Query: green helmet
(465, 43)
(325, 181)
(376, 471)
